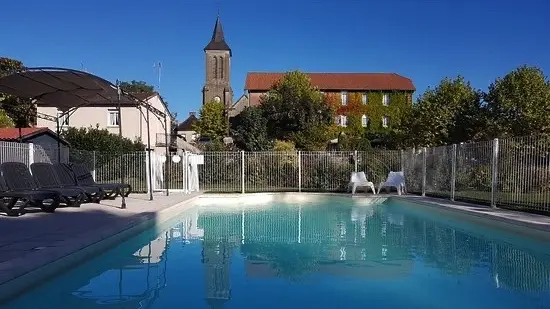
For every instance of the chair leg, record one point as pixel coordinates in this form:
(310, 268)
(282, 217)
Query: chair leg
(353, 189)
(371, 186)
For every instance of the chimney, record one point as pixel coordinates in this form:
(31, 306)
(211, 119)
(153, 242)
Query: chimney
(192, 114)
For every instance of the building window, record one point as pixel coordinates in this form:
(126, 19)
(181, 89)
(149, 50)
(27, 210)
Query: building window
(385, 121)
(63, 119)
(364, 121)
(343, 121)
(215, 67)
(344, 98)
(386, 99)
(221, 67)
(114, 118)
(364, 98)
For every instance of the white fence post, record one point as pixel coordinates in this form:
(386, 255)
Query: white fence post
(147, 170)
(355, 159)
(94, 169)
(242, 171)
(453, 172)
(424, 153)
(494, 173)
(31, 153)
(402, 157)
(299, 171)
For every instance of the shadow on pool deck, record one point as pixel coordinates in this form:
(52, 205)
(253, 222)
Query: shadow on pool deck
(36, 239)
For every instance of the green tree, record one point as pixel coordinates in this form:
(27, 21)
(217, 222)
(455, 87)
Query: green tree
(21, 110)
(135, 86)
(519, 103)
(295, 110)
(5, 120)
(212, 121)
(249, 130)
(449, 113)
(95, 139)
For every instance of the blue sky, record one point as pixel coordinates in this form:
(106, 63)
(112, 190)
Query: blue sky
(424, 40)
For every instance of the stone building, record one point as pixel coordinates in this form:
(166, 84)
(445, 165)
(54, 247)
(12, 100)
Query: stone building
(217, 85)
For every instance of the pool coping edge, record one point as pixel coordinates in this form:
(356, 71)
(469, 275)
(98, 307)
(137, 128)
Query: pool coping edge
(42, 264)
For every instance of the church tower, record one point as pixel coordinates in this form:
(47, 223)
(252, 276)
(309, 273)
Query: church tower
(218, 68)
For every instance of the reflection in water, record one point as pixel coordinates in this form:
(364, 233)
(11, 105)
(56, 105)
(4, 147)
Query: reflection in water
(294, 243)
(117, 286)
(371, 242)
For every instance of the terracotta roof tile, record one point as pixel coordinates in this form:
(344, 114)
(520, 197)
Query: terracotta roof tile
(257, 81)
(7, 134)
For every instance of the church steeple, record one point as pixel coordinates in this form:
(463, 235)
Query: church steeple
(218, 41)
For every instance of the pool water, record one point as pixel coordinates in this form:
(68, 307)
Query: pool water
(338, 253)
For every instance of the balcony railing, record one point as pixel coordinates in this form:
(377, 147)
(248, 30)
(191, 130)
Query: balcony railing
(161, 140)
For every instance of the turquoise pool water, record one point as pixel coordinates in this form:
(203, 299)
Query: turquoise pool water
(338, 253)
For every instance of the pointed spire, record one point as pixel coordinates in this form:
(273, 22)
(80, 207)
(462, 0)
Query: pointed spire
(218, 41)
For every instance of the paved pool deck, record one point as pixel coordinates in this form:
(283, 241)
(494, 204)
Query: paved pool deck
(517, 218)
(36, 239)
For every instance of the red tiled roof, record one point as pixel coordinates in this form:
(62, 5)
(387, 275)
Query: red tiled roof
(257, 81)
(7, 134)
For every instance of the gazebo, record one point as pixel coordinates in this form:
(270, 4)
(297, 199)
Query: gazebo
(68, 90)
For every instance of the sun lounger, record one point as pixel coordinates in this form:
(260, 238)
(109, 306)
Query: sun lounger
(396, 180)
(67, 179)
(112, 190)
(46, 179)
(360, 180)
(45, 200)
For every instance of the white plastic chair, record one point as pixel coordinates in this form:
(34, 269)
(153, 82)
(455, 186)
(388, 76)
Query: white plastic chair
(395, 179)
(360, 180)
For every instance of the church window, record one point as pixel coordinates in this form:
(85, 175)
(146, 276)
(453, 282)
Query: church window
(215, 67)
(221, 67)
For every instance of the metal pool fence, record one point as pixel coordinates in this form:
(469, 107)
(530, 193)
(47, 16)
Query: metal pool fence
(510, 173)
(291, 171)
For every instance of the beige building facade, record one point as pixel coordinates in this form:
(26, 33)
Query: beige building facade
(106, 116)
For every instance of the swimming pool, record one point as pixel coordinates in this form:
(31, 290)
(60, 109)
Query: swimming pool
(331, 253)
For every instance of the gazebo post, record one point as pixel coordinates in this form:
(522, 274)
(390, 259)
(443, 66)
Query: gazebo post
(150, 177)
(58, 132)
(166, 178)
(123, 202)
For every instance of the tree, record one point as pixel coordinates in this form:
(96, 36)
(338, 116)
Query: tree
(5, 120)
(21, 110)
(449, 113)
(95, 139)
(295, 110)
(212, 121)
(519, 103)
(135, 86)
(249, 130)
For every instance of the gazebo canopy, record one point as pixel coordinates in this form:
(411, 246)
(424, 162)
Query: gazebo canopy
(67, 89)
